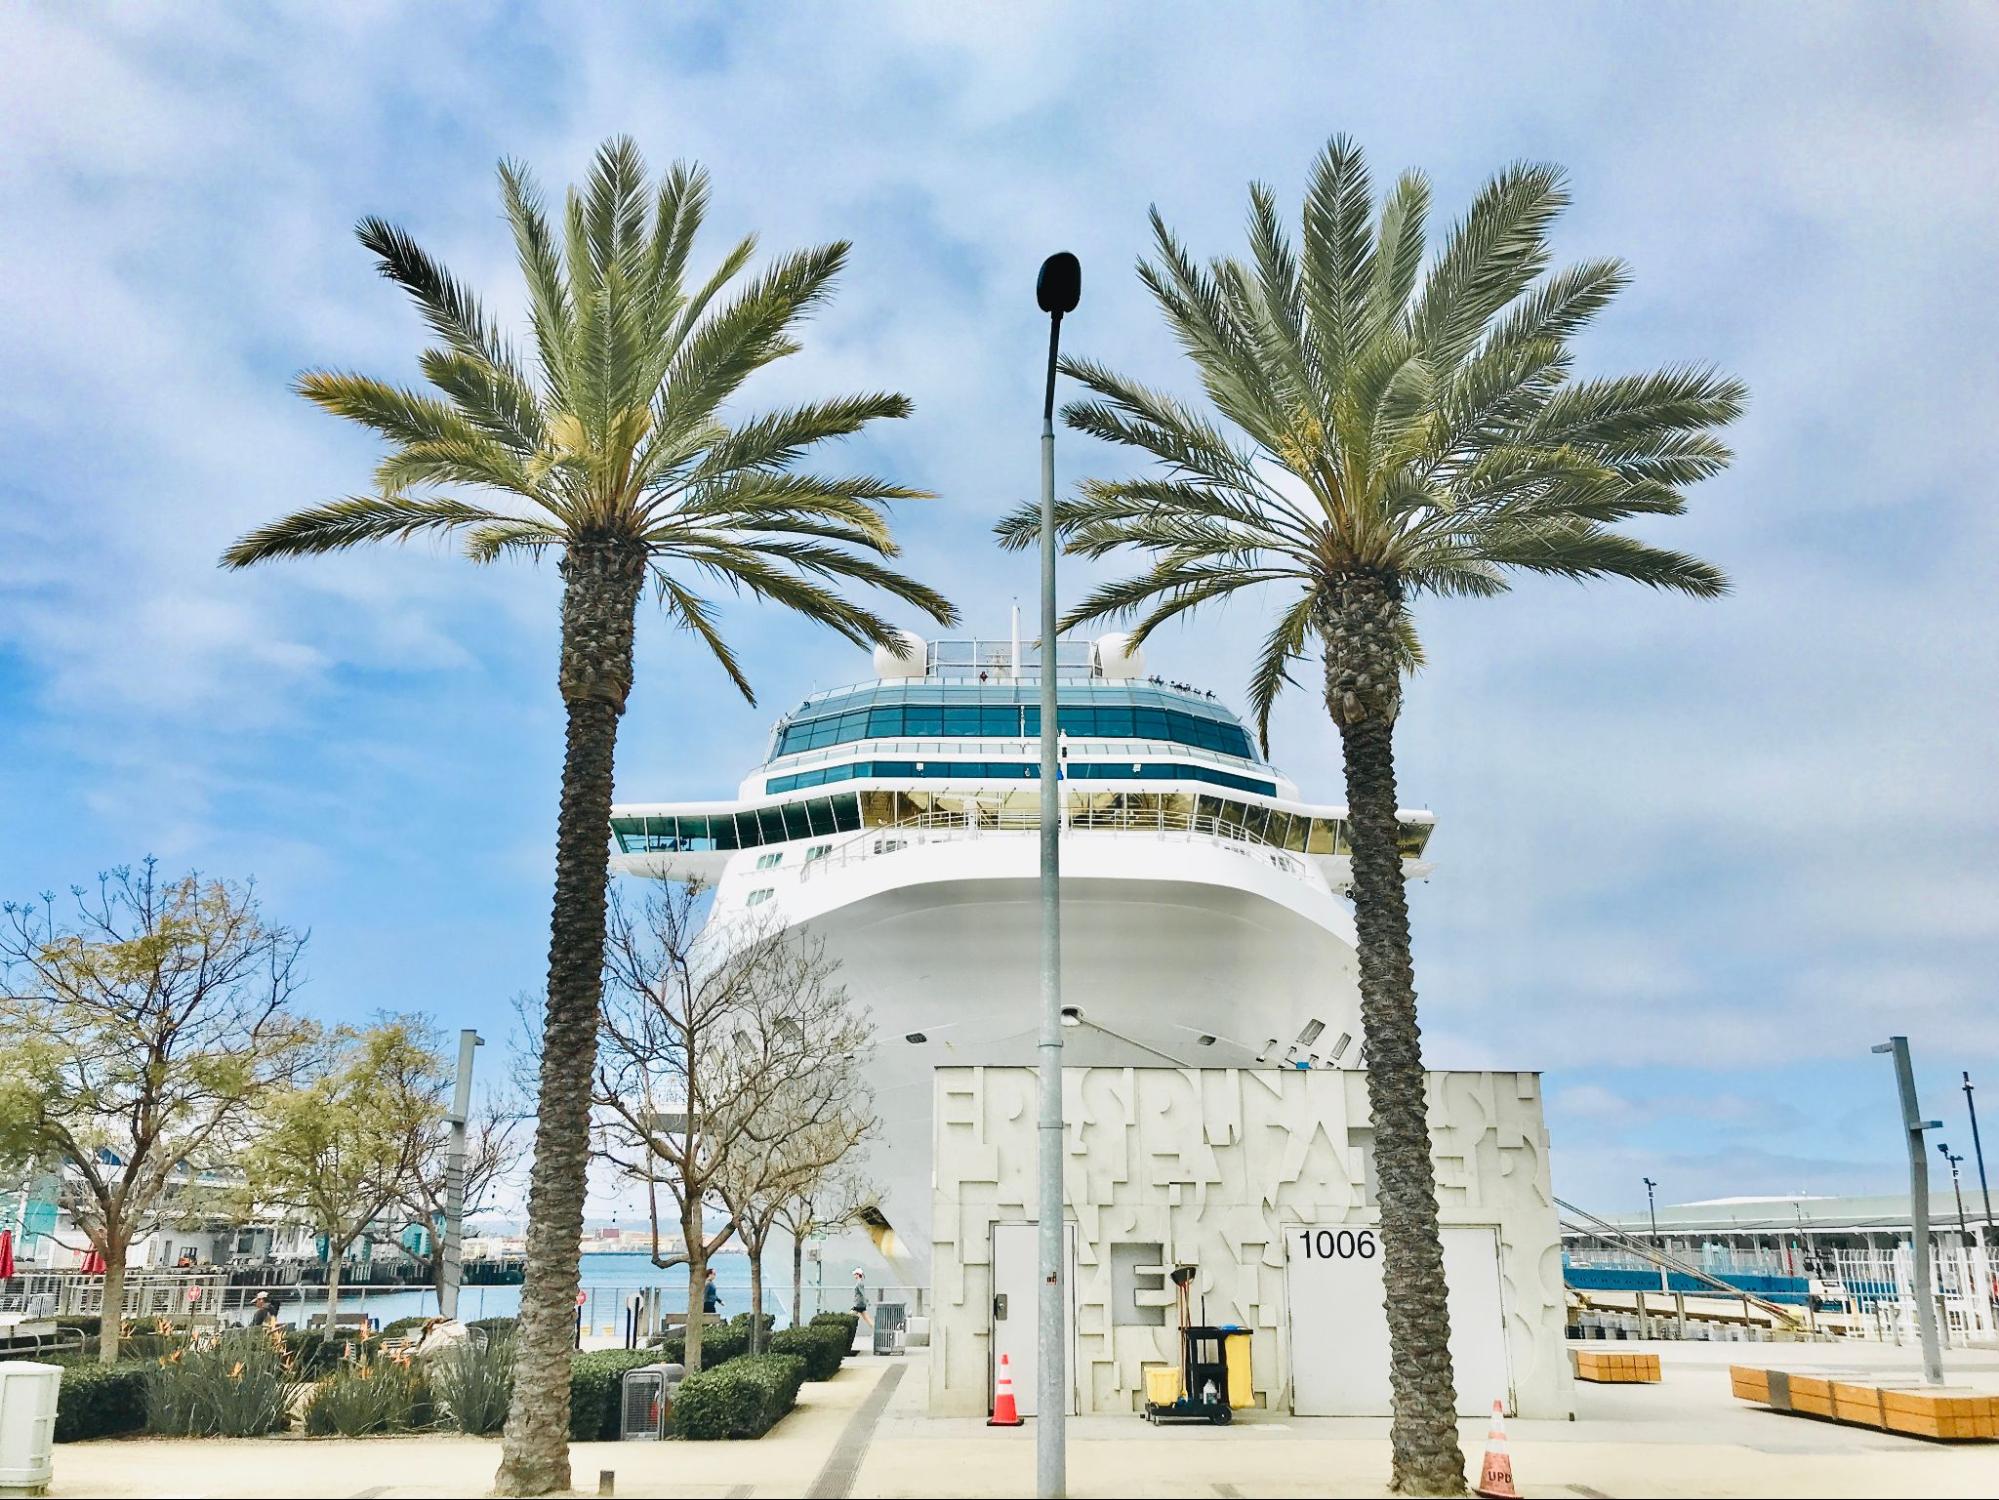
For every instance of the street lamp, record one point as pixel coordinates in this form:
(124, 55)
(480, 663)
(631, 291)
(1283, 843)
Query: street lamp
(1955, 1186)
(1978, 1151)
(1652, 1210)
(1913, 1126)
(1057, 290)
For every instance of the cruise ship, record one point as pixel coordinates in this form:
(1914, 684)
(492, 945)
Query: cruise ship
(1205, 920)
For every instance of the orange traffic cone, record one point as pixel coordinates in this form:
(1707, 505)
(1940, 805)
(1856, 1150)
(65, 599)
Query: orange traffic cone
(1496, 1478)
(1005, 1414)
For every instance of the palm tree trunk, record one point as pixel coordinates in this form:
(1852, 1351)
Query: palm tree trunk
(599, 599)
(1363, 693)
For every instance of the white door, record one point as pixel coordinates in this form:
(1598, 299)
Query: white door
(1339, 1329)
(1016, 1292)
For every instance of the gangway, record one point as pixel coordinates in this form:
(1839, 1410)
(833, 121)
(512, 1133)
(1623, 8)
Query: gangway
(1603, 1229)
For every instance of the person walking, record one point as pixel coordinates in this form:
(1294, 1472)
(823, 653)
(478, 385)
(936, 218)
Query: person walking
(263, 1311)
(711, 1299)
(861, 1299)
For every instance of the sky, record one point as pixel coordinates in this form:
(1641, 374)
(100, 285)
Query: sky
(1693, 858)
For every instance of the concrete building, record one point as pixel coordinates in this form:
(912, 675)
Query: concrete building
(1263, 1179)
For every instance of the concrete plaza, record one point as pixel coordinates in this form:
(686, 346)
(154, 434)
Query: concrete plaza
(866, 1434)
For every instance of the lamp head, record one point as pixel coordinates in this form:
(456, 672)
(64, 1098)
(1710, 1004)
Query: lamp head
(1059, 287)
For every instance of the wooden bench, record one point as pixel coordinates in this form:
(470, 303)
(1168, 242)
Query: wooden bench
(1605, 1368)
(1949, 1414)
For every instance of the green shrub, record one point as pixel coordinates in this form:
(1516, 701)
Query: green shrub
(845, 1320)
(401, 1327)
(369, 1395)
(594, 1382)
(474, 1384)
(720, 1343)
(822, 1346)
(98, 1401)
(235, 1384)
(741, 1399)
(491, 1326)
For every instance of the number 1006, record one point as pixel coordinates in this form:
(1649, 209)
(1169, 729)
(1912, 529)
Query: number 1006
(1338, 1244)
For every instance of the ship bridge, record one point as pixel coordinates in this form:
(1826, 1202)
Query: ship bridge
(945, 741)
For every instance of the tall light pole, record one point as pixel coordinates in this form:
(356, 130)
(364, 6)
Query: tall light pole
(1057, 290)
(454, 1178)
(1913, 1126)
(1652, 1212)
(1955, 1186)
(1978, 1151)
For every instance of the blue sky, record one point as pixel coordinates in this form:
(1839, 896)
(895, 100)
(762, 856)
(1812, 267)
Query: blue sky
(1693, 858)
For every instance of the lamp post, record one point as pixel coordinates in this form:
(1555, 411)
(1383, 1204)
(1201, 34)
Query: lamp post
(1652, 1212)
(1913, 1126)
(454, 1178)
(1978, 1151)
(1955, 1186)
(1057, 290)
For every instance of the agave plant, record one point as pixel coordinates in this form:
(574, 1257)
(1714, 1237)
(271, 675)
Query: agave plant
(610, 446)
(1386, 432)
(474, 1382)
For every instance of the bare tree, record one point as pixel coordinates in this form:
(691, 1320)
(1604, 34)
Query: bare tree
(490, 1160)
(822, 1204)
(707, 1032)
(134, 1036)
(799, 1137)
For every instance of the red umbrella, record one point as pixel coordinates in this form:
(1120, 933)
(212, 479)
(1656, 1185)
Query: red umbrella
(93, 1264)
(6, 1254)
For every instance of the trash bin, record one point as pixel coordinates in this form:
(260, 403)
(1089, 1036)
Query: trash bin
(1235, 1354)
(27, 1426)
(1162, 1384)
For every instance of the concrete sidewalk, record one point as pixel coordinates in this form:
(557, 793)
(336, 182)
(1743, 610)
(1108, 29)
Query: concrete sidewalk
(866, 1434)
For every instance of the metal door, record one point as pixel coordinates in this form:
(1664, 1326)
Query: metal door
(1339, 1329)
(1016, 1250)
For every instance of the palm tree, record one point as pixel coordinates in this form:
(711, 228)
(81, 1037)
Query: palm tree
(607, 446)
(1387, 432)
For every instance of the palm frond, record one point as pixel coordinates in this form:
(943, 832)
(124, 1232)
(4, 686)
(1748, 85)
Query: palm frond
(694, 614)
(1284, 645)
(339, 524)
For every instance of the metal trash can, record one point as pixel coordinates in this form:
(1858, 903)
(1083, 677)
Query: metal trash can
(645, 1400)
(891, 1327)
(27, 1426)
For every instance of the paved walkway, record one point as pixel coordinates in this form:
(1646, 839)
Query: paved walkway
(866, 1434)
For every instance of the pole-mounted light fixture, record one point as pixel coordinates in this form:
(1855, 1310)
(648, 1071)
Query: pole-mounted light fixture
(1057, 290)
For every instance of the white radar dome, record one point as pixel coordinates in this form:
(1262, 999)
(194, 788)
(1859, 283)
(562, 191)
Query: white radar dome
(889, 665)
(1118, 659)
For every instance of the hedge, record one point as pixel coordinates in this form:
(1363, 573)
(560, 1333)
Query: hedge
(849, 1321)
(822, 1346)
(98, 1401)
(741, 1399)
(720, 1343)
(595, 1379)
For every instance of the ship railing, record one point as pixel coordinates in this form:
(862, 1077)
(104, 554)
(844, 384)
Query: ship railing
(985, 820)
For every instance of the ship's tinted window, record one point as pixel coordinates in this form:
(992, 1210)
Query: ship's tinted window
(964, 710)
(796, 824)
